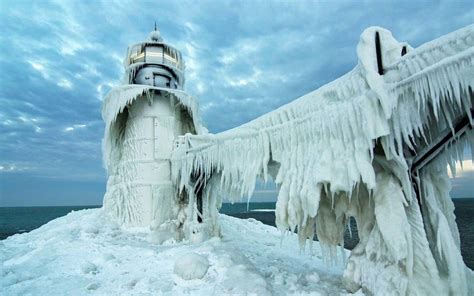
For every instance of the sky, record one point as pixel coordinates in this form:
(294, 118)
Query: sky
(243, 59)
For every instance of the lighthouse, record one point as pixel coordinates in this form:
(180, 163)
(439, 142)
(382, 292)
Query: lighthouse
(144, 117)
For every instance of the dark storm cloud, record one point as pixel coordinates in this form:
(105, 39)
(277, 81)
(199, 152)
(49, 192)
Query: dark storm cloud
(59, 58)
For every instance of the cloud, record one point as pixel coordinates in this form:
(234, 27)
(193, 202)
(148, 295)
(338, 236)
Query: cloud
(463, 182)
(41, 68)
(65, 83)
(11, 167)
(75, 127)
(462, 168)
(59, 58)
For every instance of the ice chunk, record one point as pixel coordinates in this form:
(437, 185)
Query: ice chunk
(191, 266)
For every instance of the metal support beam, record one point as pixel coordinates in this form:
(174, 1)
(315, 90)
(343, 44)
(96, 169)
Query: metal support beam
(426, 155)
(378, 51)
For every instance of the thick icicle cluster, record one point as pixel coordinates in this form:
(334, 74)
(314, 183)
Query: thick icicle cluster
(344, 150)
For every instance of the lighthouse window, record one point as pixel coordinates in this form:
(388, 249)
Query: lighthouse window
(139, 58)
(136, 54)
(154, 54)
(154, 51)
(170, 56)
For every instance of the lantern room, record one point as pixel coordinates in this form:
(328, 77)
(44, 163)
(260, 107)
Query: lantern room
(154, 63)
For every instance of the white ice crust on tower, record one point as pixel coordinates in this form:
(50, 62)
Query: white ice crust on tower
(343, 151)
(141, 125)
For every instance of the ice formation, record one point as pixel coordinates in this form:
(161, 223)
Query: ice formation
(191, 266)
(356, 148)
(372, 145)
(143, 118)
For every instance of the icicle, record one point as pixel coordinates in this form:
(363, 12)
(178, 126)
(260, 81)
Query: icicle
(349, 227)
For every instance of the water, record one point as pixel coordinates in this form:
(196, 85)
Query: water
(465, 219)
(24, 219)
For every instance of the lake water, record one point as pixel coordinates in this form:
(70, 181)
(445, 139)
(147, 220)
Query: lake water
(24, 219)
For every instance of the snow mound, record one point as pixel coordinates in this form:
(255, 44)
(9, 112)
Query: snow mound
(191, 266)
(85, 253)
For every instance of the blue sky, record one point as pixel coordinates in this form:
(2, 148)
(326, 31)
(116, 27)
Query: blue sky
(243, 58)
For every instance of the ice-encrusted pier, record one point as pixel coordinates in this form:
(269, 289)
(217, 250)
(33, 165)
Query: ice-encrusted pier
(372, 145)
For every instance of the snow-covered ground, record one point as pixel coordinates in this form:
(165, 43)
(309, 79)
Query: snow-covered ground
(84, 253)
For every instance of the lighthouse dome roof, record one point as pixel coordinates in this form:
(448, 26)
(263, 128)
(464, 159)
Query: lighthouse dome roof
(155, 36)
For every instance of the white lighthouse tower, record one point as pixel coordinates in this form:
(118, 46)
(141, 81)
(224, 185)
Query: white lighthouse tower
(144, 116)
